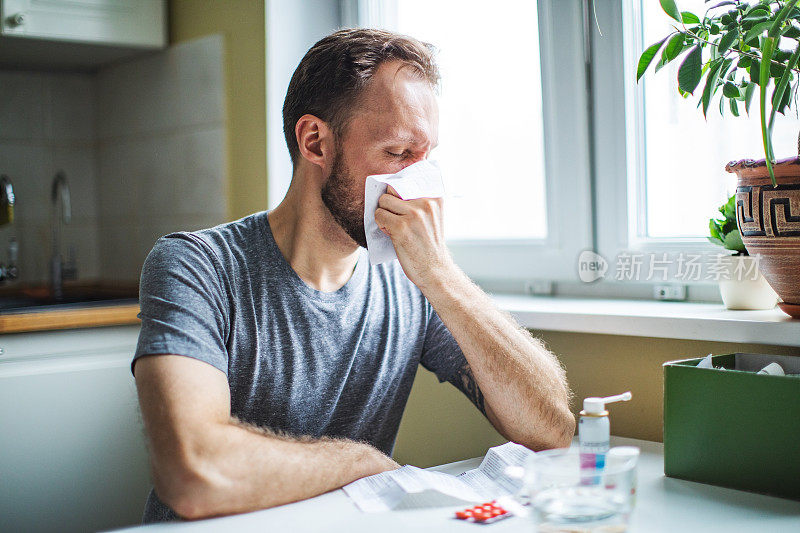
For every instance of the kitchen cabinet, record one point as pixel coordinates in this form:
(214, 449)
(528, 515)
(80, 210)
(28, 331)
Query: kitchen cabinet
(78, 34)
(114, 22)
(72, 450)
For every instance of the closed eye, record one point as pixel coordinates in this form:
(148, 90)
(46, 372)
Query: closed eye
(394, 154)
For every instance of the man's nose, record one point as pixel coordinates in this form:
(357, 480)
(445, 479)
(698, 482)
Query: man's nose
(415, 159)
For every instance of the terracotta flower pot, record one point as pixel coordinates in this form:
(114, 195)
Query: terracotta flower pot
(769, 221)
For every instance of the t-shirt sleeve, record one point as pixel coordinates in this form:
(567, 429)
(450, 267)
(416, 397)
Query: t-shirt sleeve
(182, 305)
(440, 351)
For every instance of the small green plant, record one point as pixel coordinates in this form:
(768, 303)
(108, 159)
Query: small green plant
(724, 231)
(735, 46)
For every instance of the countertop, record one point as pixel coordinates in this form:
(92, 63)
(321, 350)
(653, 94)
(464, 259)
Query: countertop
(85, 305)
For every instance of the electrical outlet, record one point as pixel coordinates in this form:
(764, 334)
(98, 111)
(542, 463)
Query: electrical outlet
(673, 291)
(539, 287)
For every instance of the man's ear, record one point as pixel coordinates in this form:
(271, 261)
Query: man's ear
(315, 141)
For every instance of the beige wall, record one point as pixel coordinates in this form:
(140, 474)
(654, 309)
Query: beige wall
(241, 23)
(440, 425)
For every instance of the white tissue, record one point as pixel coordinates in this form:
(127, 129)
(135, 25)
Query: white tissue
(705, 362)
(420, 180)
(772, 369)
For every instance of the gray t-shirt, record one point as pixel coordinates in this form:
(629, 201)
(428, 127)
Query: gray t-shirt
(338, 364)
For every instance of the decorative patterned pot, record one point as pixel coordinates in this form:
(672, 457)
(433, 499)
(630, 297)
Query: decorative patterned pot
(769, 221)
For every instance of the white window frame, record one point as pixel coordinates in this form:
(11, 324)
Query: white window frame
(619, 174)
(621, 179)
(291, 29)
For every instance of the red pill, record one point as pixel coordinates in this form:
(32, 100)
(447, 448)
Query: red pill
(463, 515)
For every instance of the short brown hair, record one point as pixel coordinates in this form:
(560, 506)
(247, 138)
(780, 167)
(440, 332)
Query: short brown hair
(335, 71)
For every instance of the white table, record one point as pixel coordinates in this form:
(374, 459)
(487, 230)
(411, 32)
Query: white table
(663, 504)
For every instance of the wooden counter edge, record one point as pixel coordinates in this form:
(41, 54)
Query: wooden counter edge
(86, 317)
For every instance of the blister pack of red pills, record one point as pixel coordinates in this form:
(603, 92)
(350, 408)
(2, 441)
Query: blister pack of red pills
(486, 513)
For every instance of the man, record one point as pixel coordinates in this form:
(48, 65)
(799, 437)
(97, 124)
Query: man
(274, 362)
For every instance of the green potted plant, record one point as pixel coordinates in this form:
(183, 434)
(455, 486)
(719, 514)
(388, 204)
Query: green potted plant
(741, 284)
(732, 51)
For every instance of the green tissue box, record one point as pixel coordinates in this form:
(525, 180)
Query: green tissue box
(734, 428)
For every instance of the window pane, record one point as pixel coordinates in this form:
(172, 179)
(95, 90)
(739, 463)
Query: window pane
(491, 142)
(685, 155)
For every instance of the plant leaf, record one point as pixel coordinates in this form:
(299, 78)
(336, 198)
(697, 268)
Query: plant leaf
(748, 96)
(690, 71)
(730, 90)
(689, 18)
(791, 32)
(647, 58)
(756, 9)
(767, 48)
(727, 40)
(660, 65)
(734, 104)
(782, 92)
(728, 209)
(671, 9)
(775, 29)
(756, 30)
(755, 71)
(733, 241)
(674, 48)
(711, 87)
(713, 229)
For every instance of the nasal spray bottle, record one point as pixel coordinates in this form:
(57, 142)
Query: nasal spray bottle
(594, 430)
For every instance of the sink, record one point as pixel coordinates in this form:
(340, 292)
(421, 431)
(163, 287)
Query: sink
(39, 298)
(15, 303)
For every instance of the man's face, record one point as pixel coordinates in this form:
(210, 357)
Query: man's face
(395, 125)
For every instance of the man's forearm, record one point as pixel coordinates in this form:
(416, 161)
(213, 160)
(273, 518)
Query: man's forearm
(522, 384)
(237, 468)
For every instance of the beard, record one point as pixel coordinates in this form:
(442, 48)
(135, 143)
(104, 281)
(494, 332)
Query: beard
(345, 205)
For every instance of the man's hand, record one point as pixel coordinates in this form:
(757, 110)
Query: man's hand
(417, 232)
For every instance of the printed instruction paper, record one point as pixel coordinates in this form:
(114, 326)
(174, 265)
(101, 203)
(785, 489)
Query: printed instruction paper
(410, 487)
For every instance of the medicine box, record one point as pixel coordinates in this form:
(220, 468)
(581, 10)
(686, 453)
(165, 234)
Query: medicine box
(733, 427)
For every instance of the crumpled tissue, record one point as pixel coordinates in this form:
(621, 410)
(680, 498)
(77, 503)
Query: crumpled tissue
(420, 180)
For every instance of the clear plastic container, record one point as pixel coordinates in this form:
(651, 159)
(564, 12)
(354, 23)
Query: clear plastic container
(565, 496)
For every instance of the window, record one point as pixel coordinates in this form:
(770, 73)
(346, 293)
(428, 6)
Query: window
(684, 155)
(481, 122)
(513, 129)
(523, 85)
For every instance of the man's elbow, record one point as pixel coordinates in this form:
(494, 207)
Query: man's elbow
(565, 429)
(559, 432)
(185, 489)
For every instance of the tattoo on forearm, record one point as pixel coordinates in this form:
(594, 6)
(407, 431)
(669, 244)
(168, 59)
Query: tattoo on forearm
(464, 381)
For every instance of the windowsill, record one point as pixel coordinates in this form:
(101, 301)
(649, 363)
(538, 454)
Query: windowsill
(648, 318)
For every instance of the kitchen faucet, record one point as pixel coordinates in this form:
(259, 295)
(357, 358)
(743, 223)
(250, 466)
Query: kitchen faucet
(8, 272)
(58, 270)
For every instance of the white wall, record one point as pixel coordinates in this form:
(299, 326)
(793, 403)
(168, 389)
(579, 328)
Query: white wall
(142, 144)
(46, 125)
(160, 149)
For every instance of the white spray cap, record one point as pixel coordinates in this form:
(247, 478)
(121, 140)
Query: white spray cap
(598, 405)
